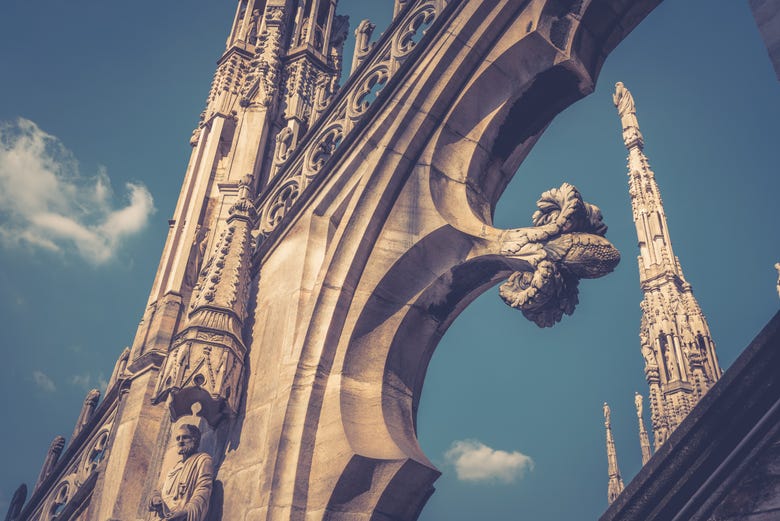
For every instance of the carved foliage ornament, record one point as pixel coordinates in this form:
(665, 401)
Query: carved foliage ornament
(567, 244)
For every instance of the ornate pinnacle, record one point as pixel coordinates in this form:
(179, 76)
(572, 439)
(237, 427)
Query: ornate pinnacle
(644, 441)
(615, 486)
(205, 364)
(680, 365)
(624, 102)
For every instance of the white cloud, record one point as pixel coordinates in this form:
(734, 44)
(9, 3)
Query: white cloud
(46, 203)
(43, 381)
(475, 461)
(87, 382)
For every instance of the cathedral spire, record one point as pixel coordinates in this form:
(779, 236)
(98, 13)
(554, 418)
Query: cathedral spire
(615, 486)
(676, 344)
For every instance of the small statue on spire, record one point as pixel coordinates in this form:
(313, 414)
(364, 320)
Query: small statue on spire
(777, 267)
(624, 102)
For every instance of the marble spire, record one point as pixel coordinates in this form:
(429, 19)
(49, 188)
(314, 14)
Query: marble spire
(615, 486)
(676, 344)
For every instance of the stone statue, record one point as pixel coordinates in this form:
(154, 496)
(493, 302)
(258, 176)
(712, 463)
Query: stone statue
(638, 404)
(254, 21)
(284, 144)
(187, 487)
(623, 100)
(670, 365)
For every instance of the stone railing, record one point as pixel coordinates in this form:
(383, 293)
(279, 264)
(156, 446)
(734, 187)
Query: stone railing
(345, 113)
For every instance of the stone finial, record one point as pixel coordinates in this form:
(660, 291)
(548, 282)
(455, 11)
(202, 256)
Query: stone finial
(675, 341)
(206, 360)
(243, 207)
(399, 6)
(52, 456)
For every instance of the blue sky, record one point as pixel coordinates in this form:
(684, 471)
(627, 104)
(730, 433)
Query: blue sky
(113, 90)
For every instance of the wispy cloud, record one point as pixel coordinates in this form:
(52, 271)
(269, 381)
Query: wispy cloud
(87, 381)
(43, 381)
(475, 461)
(46, 203)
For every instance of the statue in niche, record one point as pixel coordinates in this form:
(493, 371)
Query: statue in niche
(284, 144)
(254, 22)
(647, 350)
(186, 490)
(197, 255)
(670, 365)
(304, 31)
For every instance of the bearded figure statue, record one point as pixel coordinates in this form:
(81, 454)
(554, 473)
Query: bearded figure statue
(186, 490)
